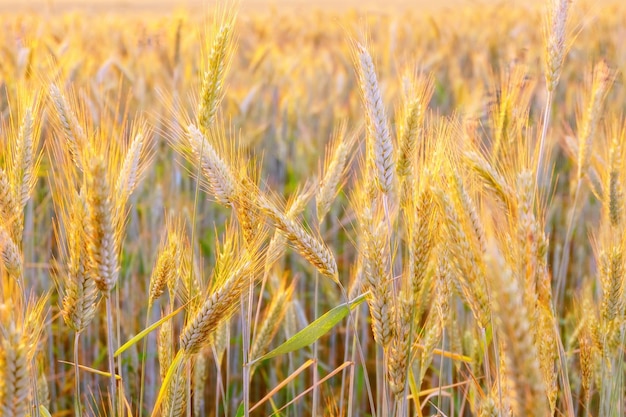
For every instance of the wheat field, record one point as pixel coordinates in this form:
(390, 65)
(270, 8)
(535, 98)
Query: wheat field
(248, 211)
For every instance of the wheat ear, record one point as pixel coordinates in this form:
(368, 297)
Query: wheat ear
(380, 146)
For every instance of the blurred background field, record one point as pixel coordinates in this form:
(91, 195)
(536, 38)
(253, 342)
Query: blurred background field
(291, 82)
(302, 6)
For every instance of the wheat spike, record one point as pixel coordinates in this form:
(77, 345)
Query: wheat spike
(8, 200)
(11, 255)
(80, 300)
(218, 306)
(522, 362)
(131, 169)
(380, 146)
(335, 168)
(167, 267)
(399, 349)
(213, 79)
(15, 382)
(312, 249)
(554, 32)
(412, 126)
(75, 137)
(217, 172)
(101, 227)
(602, 79)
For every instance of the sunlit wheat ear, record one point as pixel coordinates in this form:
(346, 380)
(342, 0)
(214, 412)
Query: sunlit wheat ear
(167, 267)
(41, 390)
(615, 203)
(218, 306)
(470, 279)
(165, 348)
(380, 146)
(11, 255)
(174, 401)
(294, 207)
(509, 113)
(8, 200)
(213, 79)
(187, 282)
(336, 160)
(81, 295)
(131, 169)
(602, 79)
(466, 204)
(555, 40)
(439, 313)
(101, 227)
(236, 265)
(74, 135)
(521, 356)
(587, 361)
(488, 407)
(412, 125)
(20, 332)
(612, 279)
(199, 383)
(421, 221)
(218, 174)
(547, 349)
(527, 237)
(377, 273)
(399, 350)
(15, 384)
(491, 178)
(311, 248)
(24, 163)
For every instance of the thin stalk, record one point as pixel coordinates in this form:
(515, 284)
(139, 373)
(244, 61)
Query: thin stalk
(245, 350)
(143, 363)
(483, 334)
(77, 408)
(360, 351)
(316, 376)
(544, 131)
(188, 389)
(443, 348)
(257, 314)
(219, 385)
(567, 392)
(351, 380)
(226, 403)
(560, 283)
(379, 379)
(111, 348)
(119, 358)
(387, 403)
(346, 345)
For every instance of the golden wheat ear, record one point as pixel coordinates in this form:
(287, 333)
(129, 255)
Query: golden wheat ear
(555, 27)
(380, 150)
(217, 64)
(335, 167)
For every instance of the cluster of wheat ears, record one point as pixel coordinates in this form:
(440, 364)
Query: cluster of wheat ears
(167, 251)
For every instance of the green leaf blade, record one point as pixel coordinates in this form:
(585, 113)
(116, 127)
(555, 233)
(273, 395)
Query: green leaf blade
(315, 330)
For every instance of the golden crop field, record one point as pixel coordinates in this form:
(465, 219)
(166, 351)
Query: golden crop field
(224, 210)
